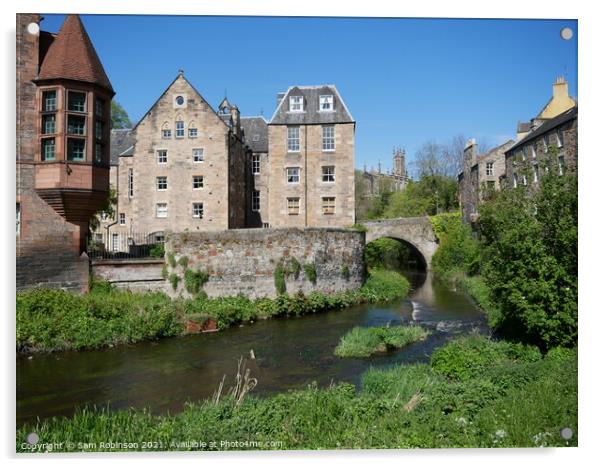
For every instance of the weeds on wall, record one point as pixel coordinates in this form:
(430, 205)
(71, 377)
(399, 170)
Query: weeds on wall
(174, 280)
(194, 280)
(310, 272)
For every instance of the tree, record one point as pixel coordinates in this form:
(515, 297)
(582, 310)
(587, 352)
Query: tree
(119, 117)
(108, 207)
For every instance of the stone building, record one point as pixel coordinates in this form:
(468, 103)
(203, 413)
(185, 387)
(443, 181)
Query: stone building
(62, 153)
(311, 139)
(480, 175)
(375, 181)
(255, 131)
(186, 168)
(548, 142)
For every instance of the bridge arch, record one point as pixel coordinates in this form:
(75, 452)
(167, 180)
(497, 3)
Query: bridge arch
(417, 232)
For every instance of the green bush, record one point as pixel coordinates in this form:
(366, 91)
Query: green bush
(310, 272)
(384, 285)
(183, 261)
(363, 342)
(458, 250)
(158, 250)
(174, 280)
(279, 278)
(171, 259)
(194, 280)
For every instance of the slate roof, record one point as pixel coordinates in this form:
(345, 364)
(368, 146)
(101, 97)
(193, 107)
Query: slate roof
(523, 127)
(71, 55)
(256, 133)
(122, 144)
(311, 101)
(546, 126)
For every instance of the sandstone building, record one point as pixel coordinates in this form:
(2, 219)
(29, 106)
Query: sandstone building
(375, 181)
(62, 153)
(311, 139)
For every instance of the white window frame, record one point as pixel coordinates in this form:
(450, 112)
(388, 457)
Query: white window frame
(159, 156)
(525, 180)
(115, 242)
(198, 212)
(534, 150)
(161, 210)
(328, 141)
(546, 141)
(166, 133)
(293, 143)
(327, 208)
(256, 164)
(198, 153)
(489, 169)
(559, 138)
(256, 201)
(159, 181)
(180, 131)
(202, 182)
(296, 103)
(293, 206)
(121, 218)
(535, 173)
(193, 132)
(290, 174)
(329, 100)
(561, 165)
(328, 176)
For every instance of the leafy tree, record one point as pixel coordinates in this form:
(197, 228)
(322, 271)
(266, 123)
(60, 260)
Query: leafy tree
(119, 117)
(108, 207)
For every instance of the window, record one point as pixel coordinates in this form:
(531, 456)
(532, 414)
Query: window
(98, 129)
(48, 101)
(76, 149)
(292, 174)
(159, 237)
(130, 183)
(255, 138)
(561, 165)
(121, 218)
(197, 210)
(560, 138)
(48, 124)
(296, 103)
(534, 151)
(292, 206)
(255, 201)
(162, 156)
(293, 138)
(161, 183)
(179, 129)
(76, 125)
(104, 216)
(161, 209)
(98, 237)
(524, 153)
(524, 180)
(546, 143)
(265, 225)
(197, 182)
(180, 100)
(328, 205)
(18, 218)
(514, 180)
(326, 103)
(192, 132)
(489, 168)
(255, 163)
(328, 138)
(535, 173)
(77, 101)
(115, 242)
(98, 149)
(99, 107)
(166, 133)
(328, 174)
(198, 155)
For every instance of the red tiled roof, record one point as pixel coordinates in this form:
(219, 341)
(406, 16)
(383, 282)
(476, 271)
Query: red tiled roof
(72, 56)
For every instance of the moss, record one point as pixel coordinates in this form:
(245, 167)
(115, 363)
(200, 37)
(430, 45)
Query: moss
(345, 272)
(310, 272)
(174, 280)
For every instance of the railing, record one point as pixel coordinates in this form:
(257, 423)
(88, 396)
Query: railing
(125, 245)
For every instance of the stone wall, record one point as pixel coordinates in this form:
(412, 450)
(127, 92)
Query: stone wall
(243, 261)
(132, 274)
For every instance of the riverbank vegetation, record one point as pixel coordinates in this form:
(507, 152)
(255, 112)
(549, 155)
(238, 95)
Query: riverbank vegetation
(474, 393)
(363, 342)
(49, 320)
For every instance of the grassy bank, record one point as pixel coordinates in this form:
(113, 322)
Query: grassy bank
(49, 320)
(363, 342)
(474, 393)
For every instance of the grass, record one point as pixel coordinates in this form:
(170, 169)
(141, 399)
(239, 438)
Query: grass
(50, 320)
(514, 400)
(363, 342)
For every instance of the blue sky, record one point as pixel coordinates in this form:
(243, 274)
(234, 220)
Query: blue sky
(406, 81)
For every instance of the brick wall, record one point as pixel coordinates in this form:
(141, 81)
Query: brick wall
(243, 261)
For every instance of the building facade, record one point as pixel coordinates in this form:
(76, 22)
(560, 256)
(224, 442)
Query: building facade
(375, 180)
(479, 177)
(62, 152)
(255, 131)
(311, 139)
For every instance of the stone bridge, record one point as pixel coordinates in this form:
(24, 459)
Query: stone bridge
(417, 232)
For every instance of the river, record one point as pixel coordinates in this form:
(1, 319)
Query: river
(290, 353)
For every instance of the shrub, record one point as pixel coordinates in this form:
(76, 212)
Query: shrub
(171, 259)
(295, 267)
(158, 250)
(310, 272)
(279, 278)
(183, 261)
(363, 342)
(458, 250)
(194, 280)
(384, 285)
(174, 280)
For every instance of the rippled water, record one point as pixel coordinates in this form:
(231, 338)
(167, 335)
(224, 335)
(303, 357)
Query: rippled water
(290, 353)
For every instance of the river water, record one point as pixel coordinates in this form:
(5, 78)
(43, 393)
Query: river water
(290, 353)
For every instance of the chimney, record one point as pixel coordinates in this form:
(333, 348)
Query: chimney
(279, 97)
(560, 89)
(470, 153)
(235, 119)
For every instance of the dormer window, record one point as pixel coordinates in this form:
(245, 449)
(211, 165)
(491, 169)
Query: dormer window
(326, 103)
(296, 103)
